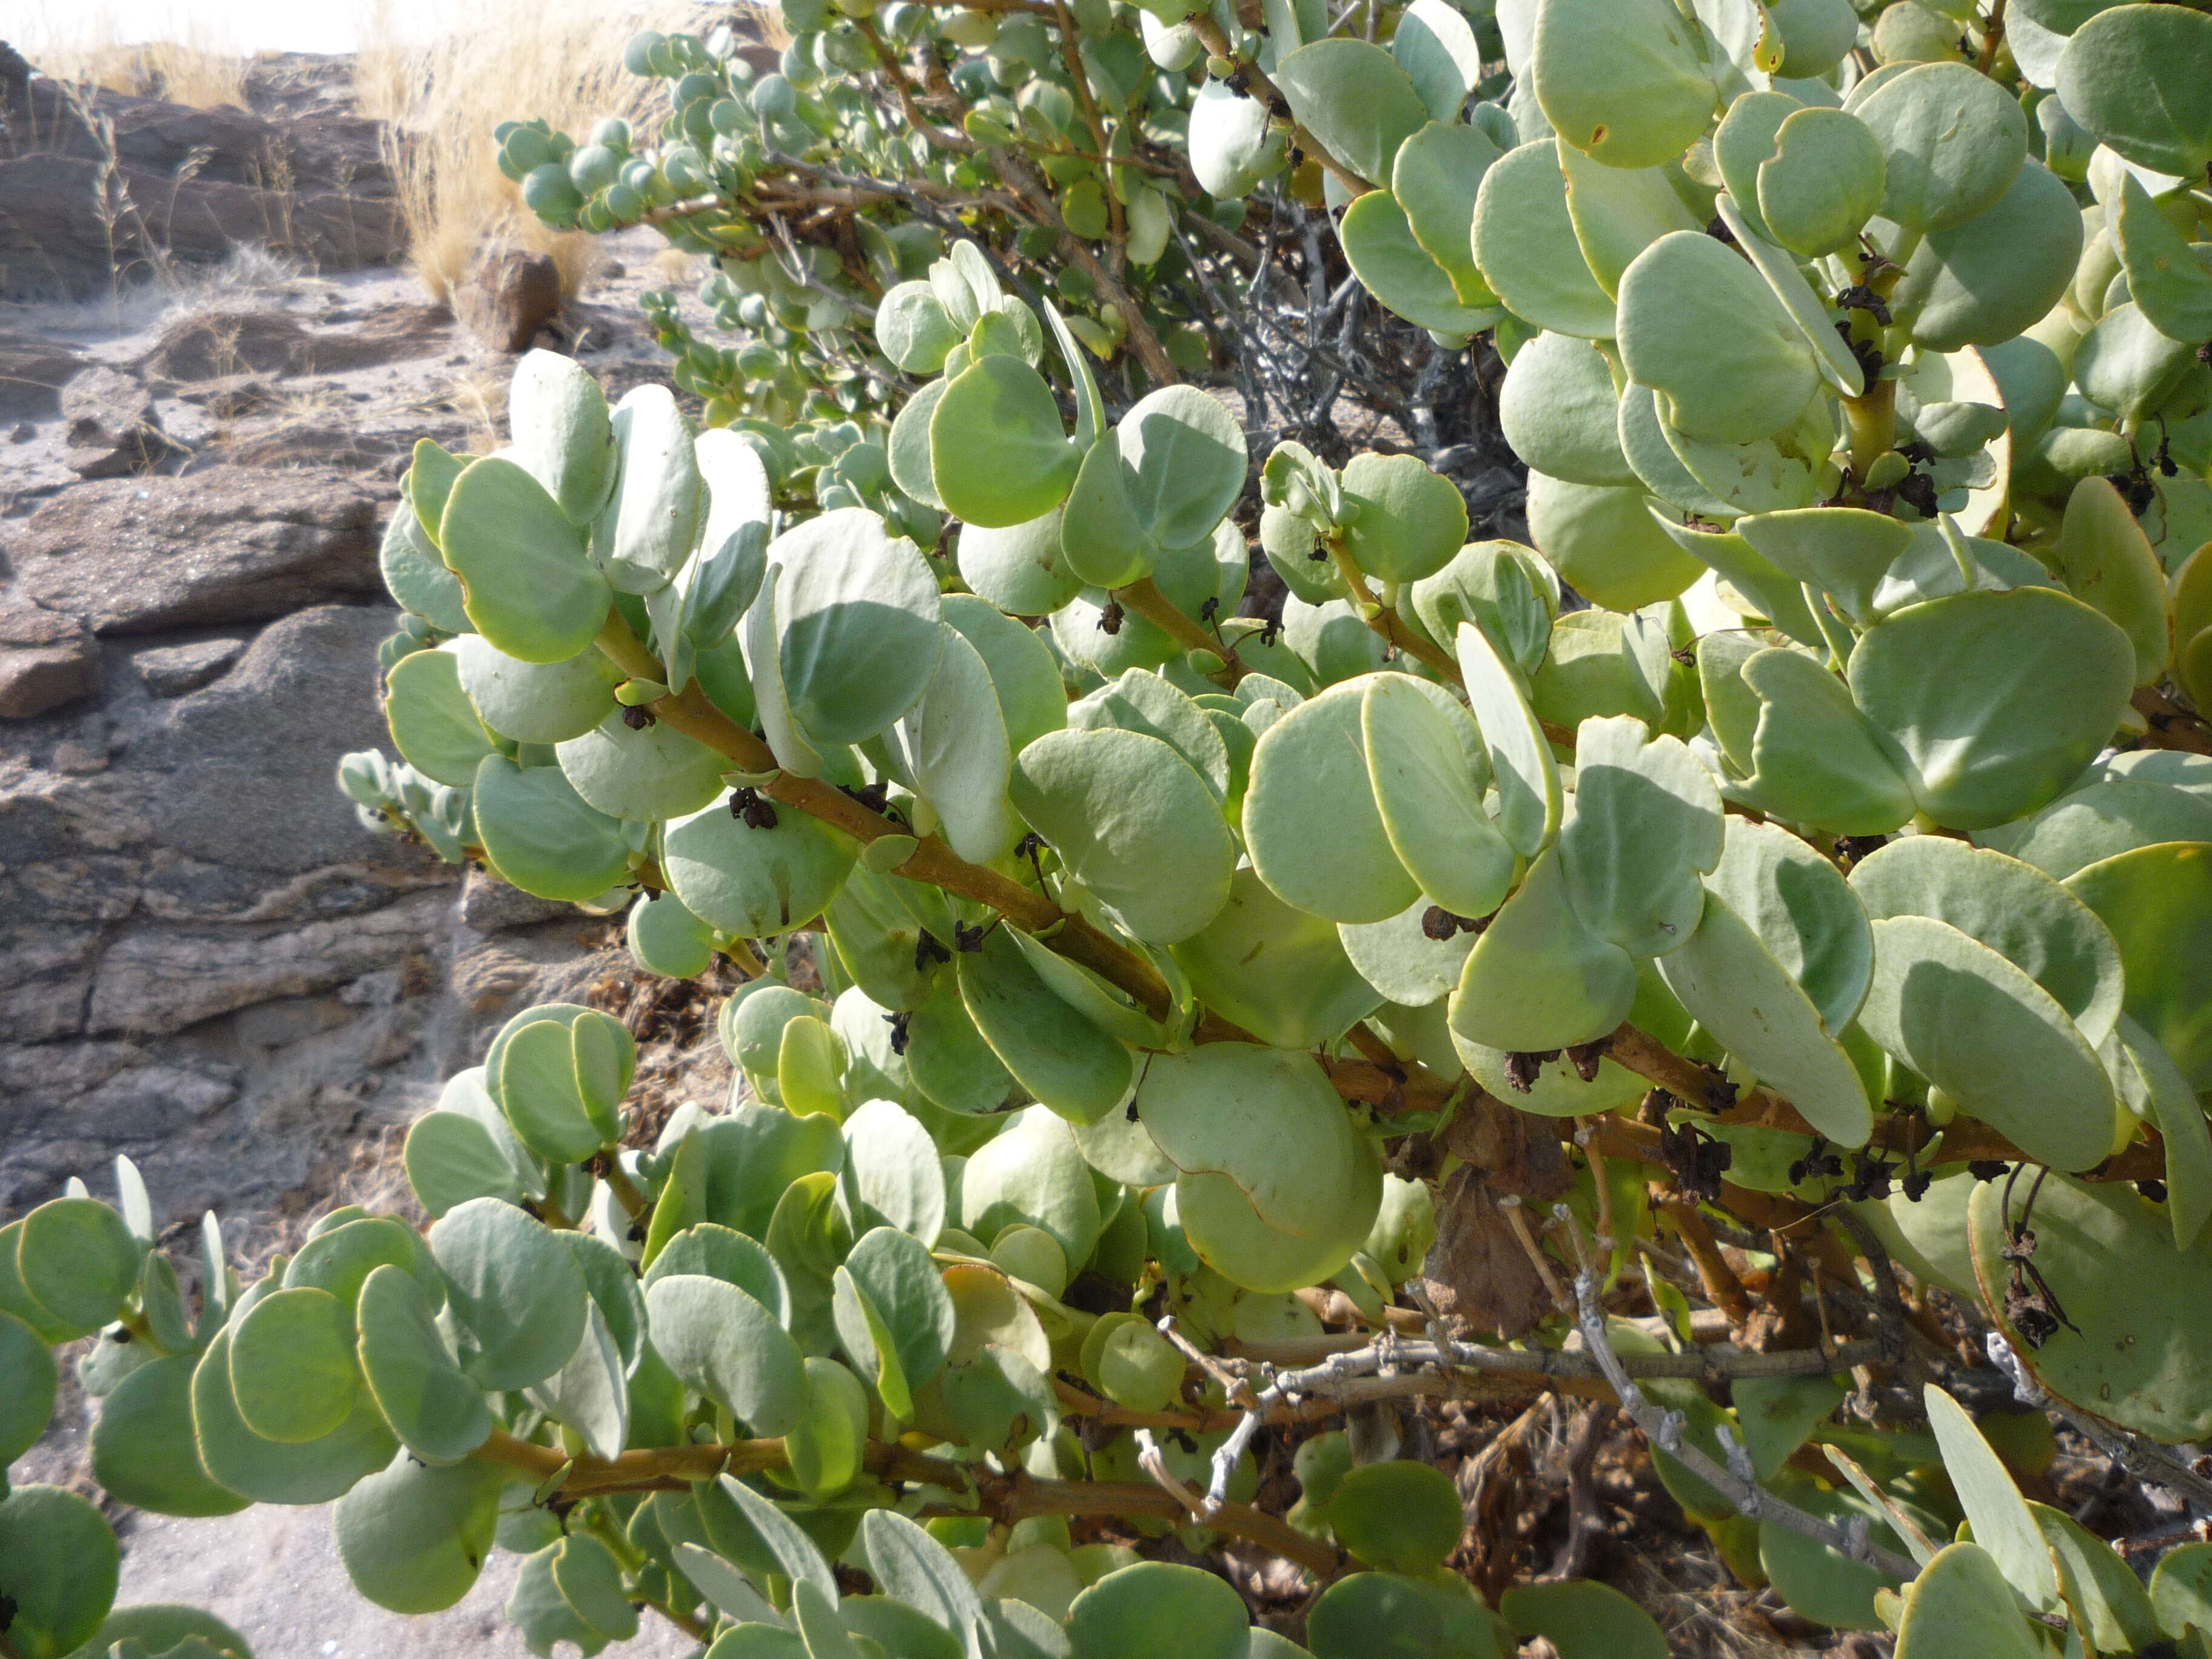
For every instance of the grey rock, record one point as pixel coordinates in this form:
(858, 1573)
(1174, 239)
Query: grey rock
(118, 187)
(46, 661)
(508, 297)
(113, 430)
(216, 345)
(174, 670)
(156, 979)
(32, 373)
(139, 556)
(248, 764)
(489, 905)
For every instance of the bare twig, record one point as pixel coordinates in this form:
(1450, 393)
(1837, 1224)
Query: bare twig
(1735, 1483)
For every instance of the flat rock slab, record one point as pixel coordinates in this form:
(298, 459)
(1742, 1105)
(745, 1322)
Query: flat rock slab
(141, 555)
(173, 670)
(46, 661)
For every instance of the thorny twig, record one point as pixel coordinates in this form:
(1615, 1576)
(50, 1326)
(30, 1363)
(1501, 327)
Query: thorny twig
(1737, 1482)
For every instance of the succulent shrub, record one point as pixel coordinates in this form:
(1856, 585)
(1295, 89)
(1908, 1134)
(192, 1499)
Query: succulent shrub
(1805, 850)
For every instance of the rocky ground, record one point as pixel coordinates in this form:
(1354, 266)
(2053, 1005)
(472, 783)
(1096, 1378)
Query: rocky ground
(205, 962)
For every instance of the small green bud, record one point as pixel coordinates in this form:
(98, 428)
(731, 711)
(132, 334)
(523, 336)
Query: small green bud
(635, 694)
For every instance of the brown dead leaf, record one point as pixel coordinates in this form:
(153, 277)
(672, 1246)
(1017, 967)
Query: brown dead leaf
(1515, 1154)
(1476, 1270)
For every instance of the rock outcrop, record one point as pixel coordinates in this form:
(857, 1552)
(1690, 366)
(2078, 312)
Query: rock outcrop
(98, 185)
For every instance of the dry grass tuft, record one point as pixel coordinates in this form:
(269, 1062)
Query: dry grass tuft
(196, 61)
(498, 60)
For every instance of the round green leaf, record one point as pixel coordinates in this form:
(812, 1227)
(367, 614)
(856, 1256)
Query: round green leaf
(1033, 1173)
(416, 575)
(953, 742)
(1953, 140)
(1384, 1615)
(1133, 823)
(1426, 796)
(1825, 179)
(2015, 909)
(665, 938)
(144, 1452)
(530, 590)
(1962, 1602)
(78, 1260)
(1434, 181)
(162, 1627)
(1401, 961)
(752, 882)
(2167, 275)
(2158, 902)
(2134, 76)
(531, 703)
(28, 1381)
(1803, 910)
(1337, 863)
(1701, 328)
(1182, 456)
(1538, 978)
(516, 1295)
(1155, 1606)
(1379, 242)
(997, 451)
(1816, 758)
(1997, 700)
(436, 1411)
(1626, 83)
(1558, 411)
(1983, 1031)
(1354, 99)
(544, 837)
(1985, 280)
(1604, 544)
(58, 1567)
(2101, 822)
(723, 1344)
(1526, 247)
(1731, 984)
(858, 613)
(948, 1058)
(1398, 1516)
(913, 331)
(2107, 1255)
(1647, 825)
(1411, 521)
(414, 1538)
(1019, 568)
(1279, 972)
(657, 773)
(1053, 1052)
(1267, 1122)
(1583, 1619)
(1031, 699)
(562, 434)
(292, 1370)
(271, 1471)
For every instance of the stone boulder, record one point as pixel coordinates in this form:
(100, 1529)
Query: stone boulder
(46, 661)
(508, 297)
(137, 556)
(113, 428)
